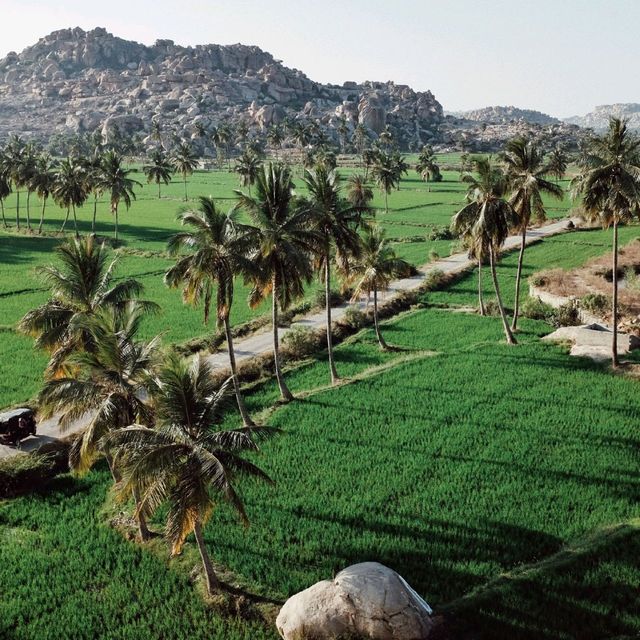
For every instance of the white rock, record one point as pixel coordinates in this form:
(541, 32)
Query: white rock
(366, 600)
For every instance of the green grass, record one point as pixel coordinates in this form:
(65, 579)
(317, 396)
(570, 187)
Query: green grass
(473, 468)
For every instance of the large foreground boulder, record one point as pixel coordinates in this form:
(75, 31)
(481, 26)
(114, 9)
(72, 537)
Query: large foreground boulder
(366, 600)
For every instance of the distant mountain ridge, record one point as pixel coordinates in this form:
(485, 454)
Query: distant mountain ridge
(506, 115)
(598, 119)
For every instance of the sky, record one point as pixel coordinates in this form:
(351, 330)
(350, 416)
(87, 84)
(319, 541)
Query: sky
(562, 57)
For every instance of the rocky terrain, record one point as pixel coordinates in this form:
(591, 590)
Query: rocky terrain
(506, 115)
(598, 119)
(76, 80)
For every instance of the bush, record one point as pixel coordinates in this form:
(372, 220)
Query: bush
(567, 315)
(595, 303)
(355, 318)
(491, 308)
(436, 279)
(299, 342)
(434, 256)
(442, 233)
(320, 298)
(538, 280)
(535, 309)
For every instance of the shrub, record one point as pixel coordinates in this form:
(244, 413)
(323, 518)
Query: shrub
(567, 315)
(320, 298)
(442, 233)
(355, 318)
(538, 280)
(491, 308)
(595, 303)
(436, 279)
(535, 309)
(299, 342)
(434, 256)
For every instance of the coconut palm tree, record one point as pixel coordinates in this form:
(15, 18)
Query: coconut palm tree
(43, 181)
(186, 462)
(336, 220)
(93, 173)
(5, 185)
(159, 170)
(526, 180)
(69, 188)
(14, 153)
(184, 161)
(558, 162)
(343, 132)
(216, 256)
(281, 241)
(275, 138)
(373, 271)
(609, 184)
(400, 168)
(486, 220)
(247, 167)
(359, 193)
(114, 179)
(81, 286)
(386, 138)
(29, 160)
(385, 174)
(108, 388)
(427, 167)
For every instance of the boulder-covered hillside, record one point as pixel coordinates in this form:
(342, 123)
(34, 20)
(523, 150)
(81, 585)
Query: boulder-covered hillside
(76, 80)
(506, 115)
(598, 119)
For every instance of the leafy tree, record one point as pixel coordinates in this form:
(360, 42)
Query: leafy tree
(336, 220)
(159, 170)
(609, 184)
(184, 161)
(109, 384)
(526, 180)
(373, 271)
(69, 188)
(216, 256)
(115, 180)
(43, 181)
(186, 462)
(486, 221)
(281, 241)
(247, 167)
(81, 286)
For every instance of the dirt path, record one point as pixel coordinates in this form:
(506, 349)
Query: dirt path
(260, 343)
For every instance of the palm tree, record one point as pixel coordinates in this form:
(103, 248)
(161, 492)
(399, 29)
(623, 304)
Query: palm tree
(427, 167)
(186, 461)
(360, 138)
(69, 188)
(115, 180)
(486, 220)
(526, 171)
(385, 174)
(184, 161)
(159, 170)
(343, 132)
(28, 169)
(386, 138)
(156, 132)
(281, 242)
(14, 165)
(336, 220)
(400, 168)
(80, 287)
(374, 269)
(5, 185)
(359, 193)
(247, 167)
(43, 181)
(107, 389)
(216, 257)
(609, 183)
(275, 137)
(93, 174)
(558, 162)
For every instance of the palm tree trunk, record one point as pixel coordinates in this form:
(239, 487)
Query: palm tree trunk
(158, 189)
(503, 315)
(209, 573)
(516, 304)
(75, 221)
(376, 324)
(386, 201)
(64, 222)
(184, 178)
(143, 530)
(246, 418)
(17, 209)
(327, 298)
(95, 210)
(483, 311)
(614, 306)
(28, 211)
(44, 204)
(115, 211)
(4, 220)
(287, 396)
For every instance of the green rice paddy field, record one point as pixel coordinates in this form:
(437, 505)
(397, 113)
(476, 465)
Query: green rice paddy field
(501, 482)
(414, 212)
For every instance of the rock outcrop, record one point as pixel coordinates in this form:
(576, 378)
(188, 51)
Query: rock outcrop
(76, 80)
(366, 600)
(505, 115)
(598, 119)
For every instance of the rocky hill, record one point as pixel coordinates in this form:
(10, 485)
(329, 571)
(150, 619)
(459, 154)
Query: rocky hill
(506, 115)
(76, 80)
(598, 119)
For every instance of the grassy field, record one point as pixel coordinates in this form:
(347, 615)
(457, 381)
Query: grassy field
(505, 490)
(415, 210)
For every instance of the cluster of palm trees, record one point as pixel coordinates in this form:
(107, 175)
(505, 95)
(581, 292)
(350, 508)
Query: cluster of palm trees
(70, 182)
(507, 196)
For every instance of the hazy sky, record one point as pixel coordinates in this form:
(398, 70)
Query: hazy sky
(559, 56)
